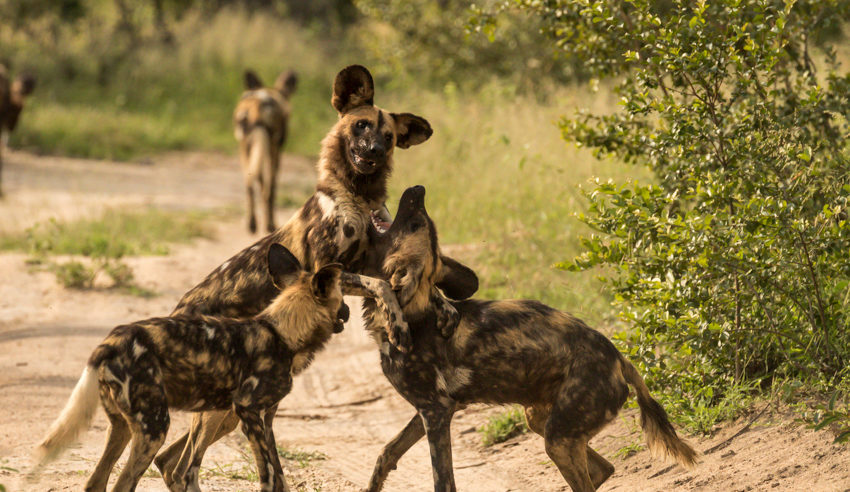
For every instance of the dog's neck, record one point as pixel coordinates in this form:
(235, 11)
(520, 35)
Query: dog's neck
(297, 320)
(337, 176)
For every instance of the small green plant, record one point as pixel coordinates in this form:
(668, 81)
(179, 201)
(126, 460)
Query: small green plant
(629, 450)
(74, 274)
(231, 471)
(503, 426)
(302, 457)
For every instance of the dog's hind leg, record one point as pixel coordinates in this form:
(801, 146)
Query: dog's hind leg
(597, 466)
(118, 437)
(570, 456)
(207, 428)
(148, 435)
(394, 450)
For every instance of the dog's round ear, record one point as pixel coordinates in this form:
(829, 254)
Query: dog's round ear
(286, 83)
(251, 80)
(411, 129)
(353, 87)
(326, 279)
(284, 267)
(457, 281)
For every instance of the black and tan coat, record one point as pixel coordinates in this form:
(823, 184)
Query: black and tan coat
(570, 378)
(13, 94)
(260, 124)
(332, 226)
(202, 363)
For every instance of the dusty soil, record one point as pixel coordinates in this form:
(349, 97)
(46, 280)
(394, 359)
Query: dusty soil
(342, 407)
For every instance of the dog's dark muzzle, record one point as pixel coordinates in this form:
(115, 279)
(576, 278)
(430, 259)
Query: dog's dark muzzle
(341, 317)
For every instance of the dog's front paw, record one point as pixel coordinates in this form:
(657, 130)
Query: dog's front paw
(399, 335)
(447, 316)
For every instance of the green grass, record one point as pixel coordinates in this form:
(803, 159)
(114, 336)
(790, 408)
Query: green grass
(115, 234)
(303, 458)
(503, 426)
(105, 241)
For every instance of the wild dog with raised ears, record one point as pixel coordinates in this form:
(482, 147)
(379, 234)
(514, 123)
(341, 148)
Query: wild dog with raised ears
(332, 226)
(196, 363)
(260, 123)
(570, 378)
(12, 96)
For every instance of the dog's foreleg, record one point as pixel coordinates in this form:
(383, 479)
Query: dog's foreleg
(394, 450)
(438, 429)
(397, 329)
(271, 477)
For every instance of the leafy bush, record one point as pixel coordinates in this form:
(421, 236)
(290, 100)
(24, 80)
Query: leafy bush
(733, 264)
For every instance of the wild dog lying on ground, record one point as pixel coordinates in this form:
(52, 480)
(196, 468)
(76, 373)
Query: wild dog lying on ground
(570, 378)
(200, 363)
(12, 95)
(260, 123)
(332, 226)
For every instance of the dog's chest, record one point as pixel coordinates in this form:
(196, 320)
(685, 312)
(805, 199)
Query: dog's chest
(344, 226)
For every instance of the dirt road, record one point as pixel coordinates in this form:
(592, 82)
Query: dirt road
(341, 411)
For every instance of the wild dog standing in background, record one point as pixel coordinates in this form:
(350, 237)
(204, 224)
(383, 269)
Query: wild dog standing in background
(260, 122)
(202, 363)
(12, 95)
(570, 378)
(332, 226)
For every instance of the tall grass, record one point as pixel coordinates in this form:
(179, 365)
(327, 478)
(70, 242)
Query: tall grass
(501, 182)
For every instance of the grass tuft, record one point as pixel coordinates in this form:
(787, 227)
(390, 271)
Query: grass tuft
(303, 458)
(115, 234)
(503, 426)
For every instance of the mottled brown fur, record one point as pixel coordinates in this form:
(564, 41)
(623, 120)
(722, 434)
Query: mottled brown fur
(570, 378)
(332, 226)
(260, 123)
(201, 363)
(12, 98)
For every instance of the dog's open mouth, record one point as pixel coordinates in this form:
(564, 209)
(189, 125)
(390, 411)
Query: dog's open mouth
(362, 164)
(379, 223)
(341, 317)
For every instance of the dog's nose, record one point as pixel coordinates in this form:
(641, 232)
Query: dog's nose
(343, 312)
(376, 150)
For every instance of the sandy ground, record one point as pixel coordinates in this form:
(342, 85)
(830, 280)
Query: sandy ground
(342, 407)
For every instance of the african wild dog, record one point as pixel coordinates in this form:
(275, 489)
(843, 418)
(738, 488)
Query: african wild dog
(200, 363)
(12, 95)
(332, 226)
(570, 378)
(260, 123)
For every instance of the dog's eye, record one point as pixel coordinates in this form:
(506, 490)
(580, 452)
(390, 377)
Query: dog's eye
(389, 137)
(414, 226)
(362, 124)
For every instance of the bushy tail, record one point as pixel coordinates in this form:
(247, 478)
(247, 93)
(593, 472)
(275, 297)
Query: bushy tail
(258, 155)
(660, 435)
(74, 419)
